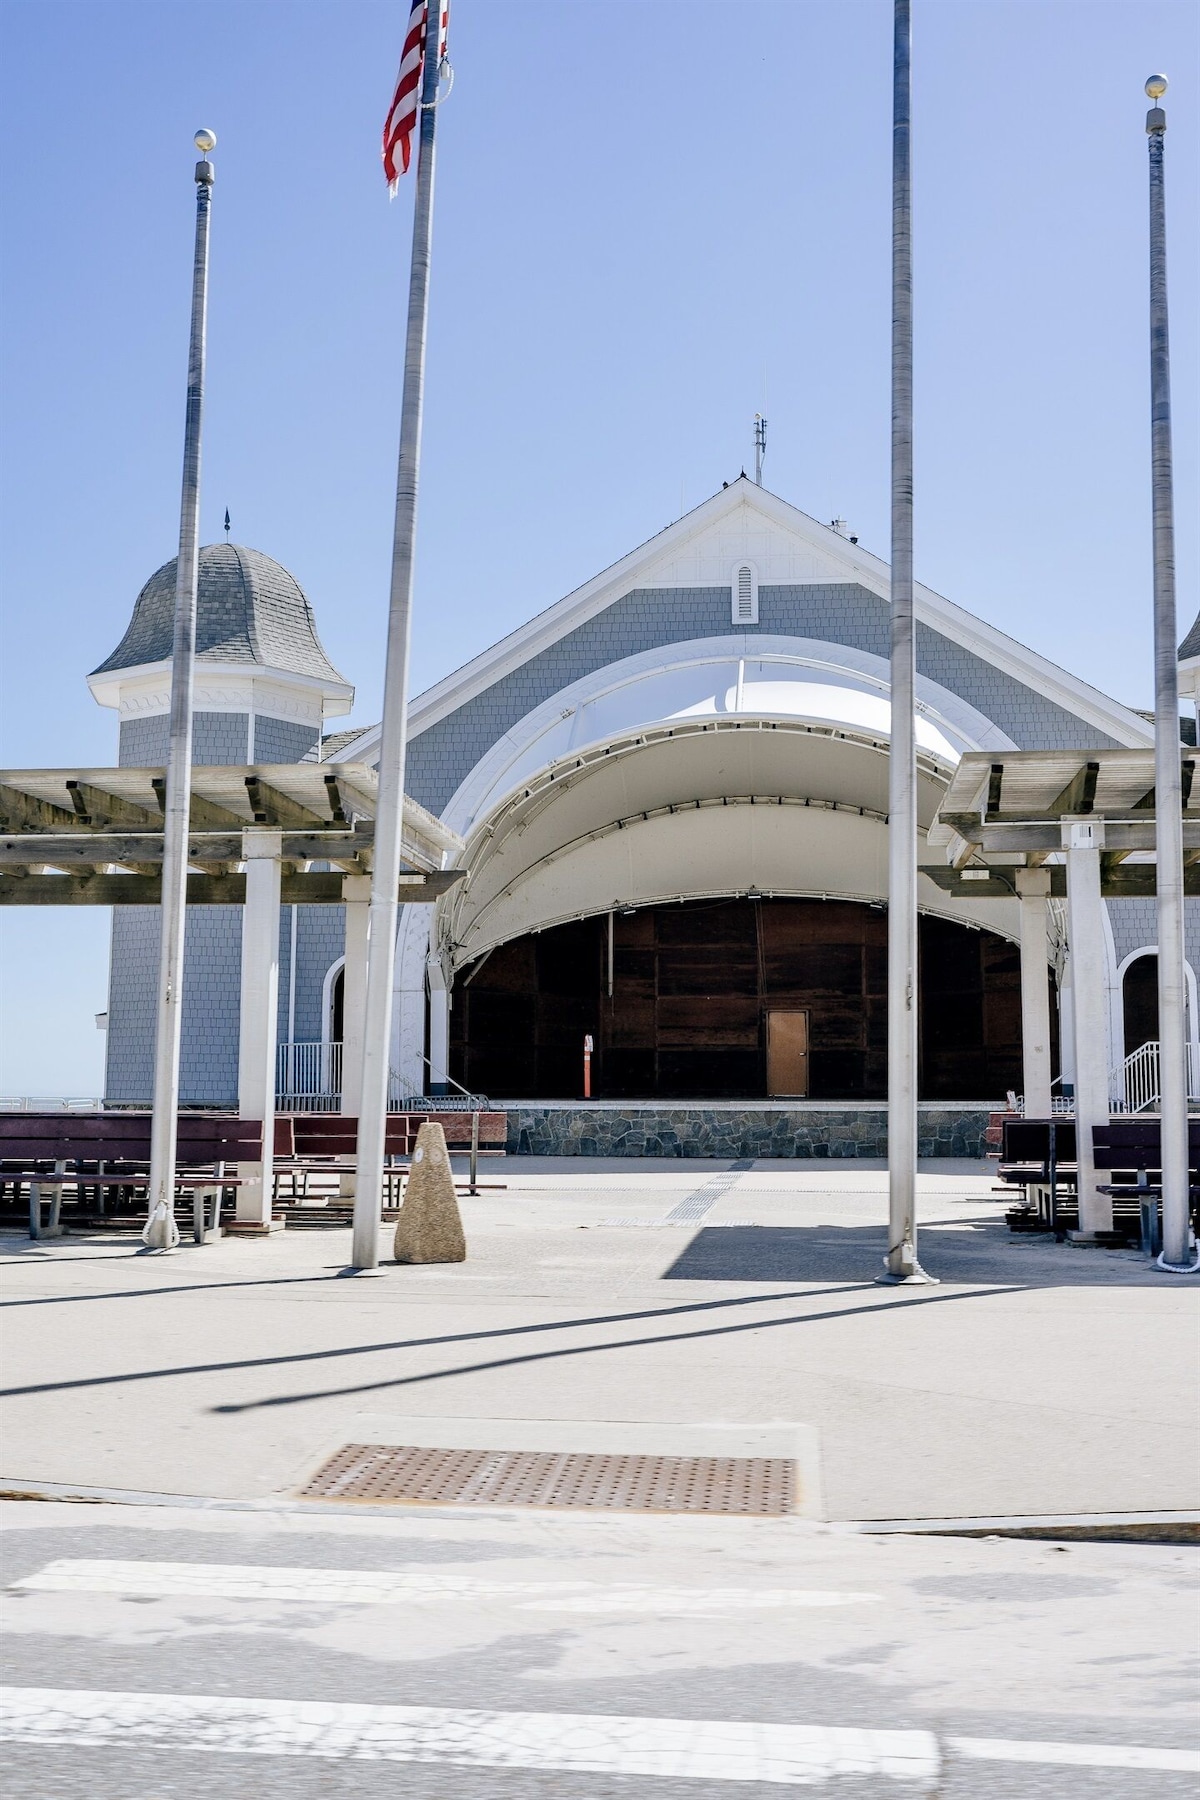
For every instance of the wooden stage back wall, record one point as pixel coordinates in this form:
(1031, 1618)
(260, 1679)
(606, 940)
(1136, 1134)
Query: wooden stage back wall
(734, 999)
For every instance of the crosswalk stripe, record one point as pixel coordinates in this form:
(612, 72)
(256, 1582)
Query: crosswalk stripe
(390, 1587)
(1095, 1756)
(592, 1743)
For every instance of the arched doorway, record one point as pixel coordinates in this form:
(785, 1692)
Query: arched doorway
(1139, 1002)
(337, 1006)
(682, 1001)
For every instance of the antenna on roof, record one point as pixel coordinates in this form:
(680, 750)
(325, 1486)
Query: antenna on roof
(760, 447)
(227, 525)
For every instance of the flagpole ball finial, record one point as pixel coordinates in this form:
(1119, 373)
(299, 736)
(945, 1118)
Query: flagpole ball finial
(206, 140)
(1156, 87)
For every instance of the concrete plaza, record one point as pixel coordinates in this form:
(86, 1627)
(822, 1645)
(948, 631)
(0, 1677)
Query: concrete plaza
(1035, 1379)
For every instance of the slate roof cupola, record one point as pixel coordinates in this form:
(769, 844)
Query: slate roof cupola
(1189, 650)
(253, 622)
(249, 609)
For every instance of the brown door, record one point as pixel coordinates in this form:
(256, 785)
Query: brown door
(787, 1052)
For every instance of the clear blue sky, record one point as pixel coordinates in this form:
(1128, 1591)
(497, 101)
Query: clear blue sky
(653, 219)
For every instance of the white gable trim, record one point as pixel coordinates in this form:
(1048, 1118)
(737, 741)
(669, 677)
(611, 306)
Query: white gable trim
(550, 733)
(1001, 651)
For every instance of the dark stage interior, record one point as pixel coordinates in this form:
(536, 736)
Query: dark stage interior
(734, 999)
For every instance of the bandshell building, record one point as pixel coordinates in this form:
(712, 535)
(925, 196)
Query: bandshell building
(672, 786)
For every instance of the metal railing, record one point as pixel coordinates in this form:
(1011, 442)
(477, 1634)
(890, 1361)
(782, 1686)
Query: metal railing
(462, 1100)
(1137, 1083)
(308, 1077)
(37, 1103)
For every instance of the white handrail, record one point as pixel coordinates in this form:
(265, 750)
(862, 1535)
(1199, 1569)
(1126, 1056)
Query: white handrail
(308, 1078)
(1137, 1086)
(50, 1103)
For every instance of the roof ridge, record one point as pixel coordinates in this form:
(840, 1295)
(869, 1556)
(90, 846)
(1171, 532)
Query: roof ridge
(249, 598)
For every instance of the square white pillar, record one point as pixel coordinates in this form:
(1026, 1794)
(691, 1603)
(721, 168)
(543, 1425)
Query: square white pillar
(408, 998)
(1033, 885)
(356, 896)
(439, 1027)
(1083, 840)
(259, 1026)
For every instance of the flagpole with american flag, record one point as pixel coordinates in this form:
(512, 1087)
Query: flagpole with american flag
(413, 112)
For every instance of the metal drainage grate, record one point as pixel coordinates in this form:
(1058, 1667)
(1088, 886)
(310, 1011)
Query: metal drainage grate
(402, 1473)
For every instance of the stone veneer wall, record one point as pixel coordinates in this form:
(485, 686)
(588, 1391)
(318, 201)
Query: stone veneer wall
(736, 1131)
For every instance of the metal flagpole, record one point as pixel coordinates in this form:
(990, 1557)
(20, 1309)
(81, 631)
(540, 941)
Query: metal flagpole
(901, 1260)
(1168, 799)
(161, 1232)
(383, 915)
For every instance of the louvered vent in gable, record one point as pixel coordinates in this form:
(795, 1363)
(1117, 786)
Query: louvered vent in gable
(745, 594)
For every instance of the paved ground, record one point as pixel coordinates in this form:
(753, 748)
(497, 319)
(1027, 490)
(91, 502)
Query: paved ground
(167, 1655)
(253, 1645)
(1036, 1378)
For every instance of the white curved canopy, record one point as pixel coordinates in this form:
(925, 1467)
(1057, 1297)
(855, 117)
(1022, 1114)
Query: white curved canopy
(702, 806)
(738, 677)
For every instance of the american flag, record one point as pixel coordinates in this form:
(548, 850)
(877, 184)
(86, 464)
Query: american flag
(402, 115)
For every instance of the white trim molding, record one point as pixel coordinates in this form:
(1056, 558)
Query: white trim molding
(331, 974)
(743, 586)
(145, 691)
(787, 546)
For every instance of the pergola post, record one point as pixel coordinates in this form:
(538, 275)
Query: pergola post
(259, 1024)
(356, 895)
(408, 1018)
(438, 1072)
(1083, 840)
(1033, 886)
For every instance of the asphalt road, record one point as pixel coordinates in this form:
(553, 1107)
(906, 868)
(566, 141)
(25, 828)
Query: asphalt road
(163, 1652)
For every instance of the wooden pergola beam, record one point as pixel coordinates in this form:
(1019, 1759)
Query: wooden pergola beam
(25, 812)
(310, 888)
(270, 807)
(107, 811)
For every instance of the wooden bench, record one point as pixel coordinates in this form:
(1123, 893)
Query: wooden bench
(327, 1144)
(109, 1153)
(1130, 1149)
(1038, 1156)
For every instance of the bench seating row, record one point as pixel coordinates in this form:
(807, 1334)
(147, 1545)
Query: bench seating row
(1039, 1156)
(103, 1159)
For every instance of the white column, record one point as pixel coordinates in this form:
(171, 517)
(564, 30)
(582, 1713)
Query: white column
(439, 1026)
(408, 1011)
(259, 1015)
(1083, 840)
(1033, 885)
(356, 895)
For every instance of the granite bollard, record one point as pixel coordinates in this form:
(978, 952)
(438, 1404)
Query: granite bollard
(429, 1229)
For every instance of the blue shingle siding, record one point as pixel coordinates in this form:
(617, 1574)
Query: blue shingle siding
(211, 1003)
(220, 738)
(320, 941)
(212, 954)
(282, 740)
(143, 742)
(132, 987)
(651, 618)
(1135, 924)
(213, 944)
(217, 737)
